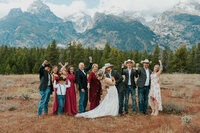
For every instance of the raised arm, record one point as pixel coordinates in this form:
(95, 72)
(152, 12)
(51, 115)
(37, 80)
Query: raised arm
(55, 85)
(137, 70)
(122, 70)
(63, 67)
(68, 84)
(90, 65)
(41, 70)
(161, 68)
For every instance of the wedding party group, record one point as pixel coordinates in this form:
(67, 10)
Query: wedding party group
(119, 85)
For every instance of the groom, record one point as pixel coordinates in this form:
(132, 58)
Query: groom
(143, 84)
(81, 78)
(119, 84)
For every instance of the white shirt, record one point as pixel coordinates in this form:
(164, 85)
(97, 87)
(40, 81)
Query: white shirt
(61, 88)
(148, 77)
(49, 78)
(83, 72)
(129, 76)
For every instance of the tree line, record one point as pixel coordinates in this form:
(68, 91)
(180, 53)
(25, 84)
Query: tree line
(28, 60)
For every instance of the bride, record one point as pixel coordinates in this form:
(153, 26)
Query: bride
(110, 105)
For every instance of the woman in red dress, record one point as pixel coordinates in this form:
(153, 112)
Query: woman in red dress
(70, 100)
(55, 76)
(94, 86)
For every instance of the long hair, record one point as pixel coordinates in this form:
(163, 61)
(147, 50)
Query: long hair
(68, 69)
(53, 68)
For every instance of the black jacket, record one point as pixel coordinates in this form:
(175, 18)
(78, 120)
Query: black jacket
(133, 75)
(119, 80)
(142, 77)
(81, 78)
(44, 79)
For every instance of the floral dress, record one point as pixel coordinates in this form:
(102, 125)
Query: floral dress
(155, 91)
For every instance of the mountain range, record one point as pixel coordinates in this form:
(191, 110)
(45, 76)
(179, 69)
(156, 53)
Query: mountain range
(38, 26)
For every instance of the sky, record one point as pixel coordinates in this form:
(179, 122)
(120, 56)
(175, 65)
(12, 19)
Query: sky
(64, 8)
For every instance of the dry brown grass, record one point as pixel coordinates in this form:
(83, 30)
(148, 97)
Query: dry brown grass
(19, 98)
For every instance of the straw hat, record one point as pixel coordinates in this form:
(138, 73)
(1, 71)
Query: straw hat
(108, 65)
(129, 60)
(146, 61)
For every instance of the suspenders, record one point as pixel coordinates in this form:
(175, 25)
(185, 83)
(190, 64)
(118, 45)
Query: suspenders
(60, 89)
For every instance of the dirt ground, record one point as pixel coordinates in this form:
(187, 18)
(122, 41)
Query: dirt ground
(19, 98)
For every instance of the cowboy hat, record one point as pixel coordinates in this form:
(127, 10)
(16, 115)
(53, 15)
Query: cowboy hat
(129, 60)
(146, 61)
(108, 65)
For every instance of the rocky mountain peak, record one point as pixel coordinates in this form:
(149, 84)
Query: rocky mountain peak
(38, 7)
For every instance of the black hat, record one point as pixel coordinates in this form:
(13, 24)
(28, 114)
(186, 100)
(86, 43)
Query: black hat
(48, 65)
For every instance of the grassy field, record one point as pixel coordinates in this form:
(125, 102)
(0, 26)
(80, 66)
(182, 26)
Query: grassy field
(19, 98)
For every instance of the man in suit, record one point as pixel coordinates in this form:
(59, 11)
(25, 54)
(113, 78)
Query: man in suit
(81, 78)
(143, 84)
(45, 87)
(129, 82)
(119, 84)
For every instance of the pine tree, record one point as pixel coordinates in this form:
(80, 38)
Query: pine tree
(145, 55)
(170, 62)
(191, 60)
(105, 55)
(155, 56)
(180, 59)
(197, 58)
(165, 59)
(52, 53)
(137, 57)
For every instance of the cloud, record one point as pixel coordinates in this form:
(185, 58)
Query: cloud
(66, 10)
(6, 5)
(145, 8)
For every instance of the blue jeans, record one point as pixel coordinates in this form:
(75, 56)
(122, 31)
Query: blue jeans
(83, 100)
(121, 96)
(143, 94)
(45, 97)
(132, 90)
(61, 103)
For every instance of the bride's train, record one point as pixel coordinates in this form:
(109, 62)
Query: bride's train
(108, 107)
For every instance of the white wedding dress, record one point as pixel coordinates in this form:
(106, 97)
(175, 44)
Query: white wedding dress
(108, 107)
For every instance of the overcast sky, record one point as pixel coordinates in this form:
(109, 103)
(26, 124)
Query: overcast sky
(63, 8)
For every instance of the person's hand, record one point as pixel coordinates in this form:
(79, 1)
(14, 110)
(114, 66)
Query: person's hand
(123, 65)
(90, 58)
(66, 63)
(82, 90)
(45, 62)
(60, 64)
(88, 86)
(137, 65)
(160, 61)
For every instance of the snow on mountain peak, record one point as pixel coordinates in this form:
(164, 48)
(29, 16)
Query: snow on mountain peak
(37, 7)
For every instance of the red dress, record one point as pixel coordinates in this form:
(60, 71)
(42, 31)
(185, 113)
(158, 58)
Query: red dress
(95, 90)
(70, 99)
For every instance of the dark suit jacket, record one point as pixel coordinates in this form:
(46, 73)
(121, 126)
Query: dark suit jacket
(142, 77)
(44, 79)
(119, 80)
(81, 78)
(133, 75)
